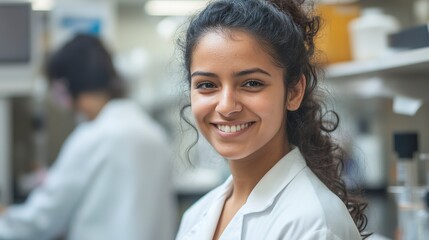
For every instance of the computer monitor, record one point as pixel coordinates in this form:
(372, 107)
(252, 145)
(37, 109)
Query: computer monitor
(15, 36)
(16, 48)
(16, 75)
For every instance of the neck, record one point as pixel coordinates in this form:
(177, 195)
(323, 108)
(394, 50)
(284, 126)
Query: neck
(248, 172)
(90, 104)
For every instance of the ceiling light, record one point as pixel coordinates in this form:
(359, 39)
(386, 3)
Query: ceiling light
(42, 5)
(173, 8)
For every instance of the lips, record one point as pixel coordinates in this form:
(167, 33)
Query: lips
(233, 128)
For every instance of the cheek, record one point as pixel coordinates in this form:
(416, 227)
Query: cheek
(199, 107)
(273, 114)
(271, 108)
(195, 109)
(201, 112)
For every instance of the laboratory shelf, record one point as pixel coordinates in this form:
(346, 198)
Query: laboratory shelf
(410, 63)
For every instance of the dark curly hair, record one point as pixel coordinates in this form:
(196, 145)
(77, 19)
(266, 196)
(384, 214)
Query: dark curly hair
(286, 29)
(85, 64)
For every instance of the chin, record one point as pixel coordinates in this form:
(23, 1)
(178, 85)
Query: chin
(232, 156)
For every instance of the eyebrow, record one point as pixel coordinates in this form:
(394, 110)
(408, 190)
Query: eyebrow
(205, 74)
(250, 71)
(238, 74)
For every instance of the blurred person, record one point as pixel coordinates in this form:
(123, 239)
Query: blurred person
(112, 177)
(254, 96)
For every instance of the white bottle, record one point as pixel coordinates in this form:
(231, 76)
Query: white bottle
(422, 217)
(368, 34)
(421, 11)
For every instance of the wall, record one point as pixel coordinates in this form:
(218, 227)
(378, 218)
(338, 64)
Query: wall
(5, 183)
(158, 79)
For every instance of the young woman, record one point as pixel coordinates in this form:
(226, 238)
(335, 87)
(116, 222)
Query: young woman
(253, 89)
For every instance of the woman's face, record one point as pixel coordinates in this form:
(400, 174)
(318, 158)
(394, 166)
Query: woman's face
(237, 95)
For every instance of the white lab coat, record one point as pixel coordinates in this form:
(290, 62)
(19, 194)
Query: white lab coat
(110, 182)
(289, 202)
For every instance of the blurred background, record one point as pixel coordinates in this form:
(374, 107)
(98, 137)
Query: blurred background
(376, 54)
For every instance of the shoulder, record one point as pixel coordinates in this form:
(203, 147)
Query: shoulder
(95, 137)
(310, 206)
(125, 119)
(82, 138)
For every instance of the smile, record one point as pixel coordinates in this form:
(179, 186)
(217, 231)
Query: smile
(233, 128)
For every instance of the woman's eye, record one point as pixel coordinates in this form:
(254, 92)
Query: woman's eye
(253, 83)
(204, 85)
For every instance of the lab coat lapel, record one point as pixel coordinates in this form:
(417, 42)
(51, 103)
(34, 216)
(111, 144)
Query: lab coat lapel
(274, 181)
(261, 198)
(265, 192)
(204, 229)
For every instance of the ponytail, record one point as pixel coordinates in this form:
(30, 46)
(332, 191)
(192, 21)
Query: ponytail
(311, 126)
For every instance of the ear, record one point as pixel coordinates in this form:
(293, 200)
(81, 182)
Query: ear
(296, 94)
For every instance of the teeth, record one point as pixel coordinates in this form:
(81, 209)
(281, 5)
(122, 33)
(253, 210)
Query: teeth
(233, 128)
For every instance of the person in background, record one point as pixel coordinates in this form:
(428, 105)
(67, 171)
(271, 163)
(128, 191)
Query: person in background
(112, 177)
(254, 97)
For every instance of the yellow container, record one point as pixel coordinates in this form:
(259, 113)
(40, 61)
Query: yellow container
(333, 39)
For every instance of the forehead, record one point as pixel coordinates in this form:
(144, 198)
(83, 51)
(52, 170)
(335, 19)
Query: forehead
(231, 46)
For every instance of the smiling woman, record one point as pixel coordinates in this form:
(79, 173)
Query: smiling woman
(253, 92)
(235, 85)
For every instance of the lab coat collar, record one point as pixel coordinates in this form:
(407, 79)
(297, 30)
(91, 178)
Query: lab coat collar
(261, 198)
(205, 229)
(114, 107)
(274, 181)
(271, 184)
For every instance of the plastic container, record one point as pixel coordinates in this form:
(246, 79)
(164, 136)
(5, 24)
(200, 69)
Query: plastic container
(421, 11)
(424, 167)
(411, 212)
(406, 146)
(423, 219)
(333, 38)
(368, 34)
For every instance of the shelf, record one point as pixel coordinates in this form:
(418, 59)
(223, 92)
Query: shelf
(399, 74)
(413, 63)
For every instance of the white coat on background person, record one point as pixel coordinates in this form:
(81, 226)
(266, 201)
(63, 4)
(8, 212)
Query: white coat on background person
(110, 181)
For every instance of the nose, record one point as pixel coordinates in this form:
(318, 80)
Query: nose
(228, 102)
